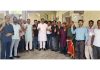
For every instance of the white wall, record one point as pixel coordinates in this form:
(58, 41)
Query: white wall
(91, 15)
(34, 16)
(59, 15)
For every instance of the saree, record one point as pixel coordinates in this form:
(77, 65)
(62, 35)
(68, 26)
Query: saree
(70, 43)
(71, 50)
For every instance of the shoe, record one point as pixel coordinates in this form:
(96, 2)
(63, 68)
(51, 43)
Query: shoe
(55, 50)
(65, 54)
(52, 50)
(39, 49)
(61, 52)
(27, 51)
(44, 49)
(11, 58)
(32, 50)
(17, 56)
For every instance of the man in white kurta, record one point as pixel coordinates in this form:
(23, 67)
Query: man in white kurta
(42, 35)
(28, 35)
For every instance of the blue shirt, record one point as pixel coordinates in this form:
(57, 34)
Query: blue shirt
(8, 28)
(81, 33)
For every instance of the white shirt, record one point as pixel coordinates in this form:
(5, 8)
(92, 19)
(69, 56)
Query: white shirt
(42, 35)
(28, 33)
(49, 28)
(16, 28)
(90, 34)
(97, 37)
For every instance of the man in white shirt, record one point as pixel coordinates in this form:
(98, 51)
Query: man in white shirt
(96, 42)
(15, 38)
(42, 35)
(88, 47)
(28, 35)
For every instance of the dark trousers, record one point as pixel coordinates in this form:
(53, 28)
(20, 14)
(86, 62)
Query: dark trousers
(63, 50)
(48, 46)
(35, 42)
(54, 43)
(96, 52)
(80, 49)
(58, 43)
(21, 46)
(5, 49)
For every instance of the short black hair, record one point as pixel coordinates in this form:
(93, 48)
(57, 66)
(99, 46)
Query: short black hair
(98, 21)
(59, 21)
(91, 21)
(50, 21)
(42, 18)
(35, 20)
(80, 20)
(14, 17)
(28, 19)
(45, 21)
(38, 21)
(54, 21)
(64, 23)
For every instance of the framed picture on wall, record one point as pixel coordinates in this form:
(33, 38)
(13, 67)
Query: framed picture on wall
(66, 17)
(75, 17)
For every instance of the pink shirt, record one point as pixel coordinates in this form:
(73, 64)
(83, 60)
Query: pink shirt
(22, 33)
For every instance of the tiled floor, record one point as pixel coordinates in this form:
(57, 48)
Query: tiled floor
(48, 54)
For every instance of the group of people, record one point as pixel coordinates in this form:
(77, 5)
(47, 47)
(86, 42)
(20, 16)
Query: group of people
(22, 35)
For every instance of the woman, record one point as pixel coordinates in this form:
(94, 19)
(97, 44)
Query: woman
(63, 38)
(70, 41)
(21, 46)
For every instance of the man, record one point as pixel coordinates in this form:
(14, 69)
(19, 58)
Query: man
(58, 35)
(6, 38)
(28, 35)
(54, 43)
(96, 42)
(42, 35)
(35, 35)
(81, 38)
(15, 38)
(49, 35)
(88, 47)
